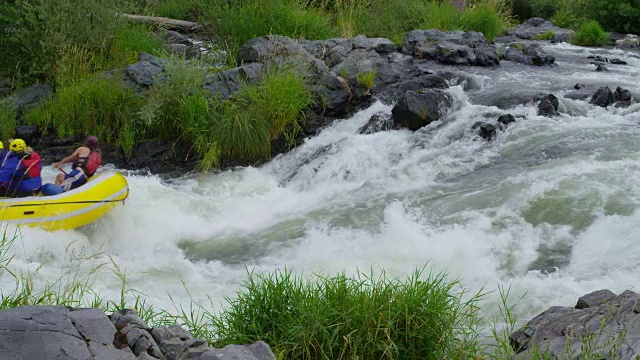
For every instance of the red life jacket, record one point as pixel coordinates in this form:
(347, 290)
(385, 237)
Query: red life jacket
(32, 165)
(92, 163)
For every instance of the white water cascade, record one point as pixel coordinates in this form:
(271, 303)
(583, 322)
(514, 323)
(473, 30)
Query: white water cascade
(550, 207)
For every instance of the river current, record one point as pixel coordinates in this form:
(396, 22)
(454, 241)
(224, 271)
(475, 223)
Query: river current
(549, 208)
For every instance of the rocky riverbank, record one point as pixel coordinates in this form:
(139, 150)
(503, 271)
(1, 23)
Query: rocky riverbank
(58, 332)
(602, 325)
(411, 76)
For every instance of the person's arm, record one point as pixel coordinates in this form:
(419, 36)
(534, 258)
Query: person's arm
(68, 159)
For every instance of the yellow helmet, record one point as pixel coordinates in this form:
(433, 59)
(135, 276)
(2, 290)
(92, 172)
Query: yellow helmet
(17, 145)
(1, 146)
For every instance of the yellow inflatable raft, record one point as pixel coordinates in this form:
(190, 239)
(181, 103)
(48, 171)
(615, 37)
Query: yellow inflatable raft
(70, 209)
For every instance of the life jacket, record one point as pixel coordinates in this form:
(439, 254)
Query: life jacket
(91, 163)
(32, 165)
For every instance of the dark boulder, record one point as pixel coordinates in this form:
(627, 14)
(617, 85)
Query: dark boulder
(378, 122)
(29, 133)
(618, 62)
(430, 81)
(417, 109)
(174, 37)
(603, 97)
(224, 84)
(506, 119)
(451, 47)
(548, 106)
(622, 97)
(528, 54)
(485, 130)
(331, 102)
(601, 68)
(143, 73)
(536, 27)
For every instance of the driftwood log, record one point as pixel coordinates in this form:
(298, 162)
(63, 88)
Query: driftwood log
(166, 22)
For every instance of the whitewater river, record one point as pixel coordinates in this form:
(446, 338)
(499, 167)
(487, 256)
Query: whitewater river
(549, 208)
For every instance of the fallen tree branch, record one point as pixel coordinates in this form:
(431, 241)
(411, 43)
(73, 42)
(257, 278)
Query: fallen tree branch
(166, 22)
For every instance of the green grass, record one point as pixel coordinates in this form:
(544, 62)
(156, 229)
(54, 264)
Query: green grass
(179, 9)
(483, 18)
(128, 42)
(366, 79)
(94, 105)
(391, 19)
(367, 316)
(590, 34)
(549, 35)
(442, 16)
(7, 122)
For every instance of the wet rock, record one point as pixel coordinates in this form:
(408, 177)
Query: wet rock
(331, 102)
(528, 54)
(622, 97)
(143, 73)
(126, 317)
(93, 325)
(508, 99)
(265, 48)
(601, 68)
(380, 45)
(485, 130)
(506, 119)
(548, 106)
(618, 62)
(48, 329)
(398, 68)
(358, 62)
(378, 122)
(629, 41)
(603, 97)
(152, 59)
(608, 328)
(430, 81)
(417, 109)
(256, 351)
(451, 47)
(595, 299)
(536, 27)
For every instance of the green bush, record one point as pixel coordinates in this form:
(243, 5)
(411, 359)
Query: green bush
(590, 34)
(621, 16)
(362, 317)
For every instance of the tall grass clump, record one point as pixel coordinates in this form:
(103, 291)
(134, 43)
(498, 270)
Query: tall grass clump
(483, 18)
(442, 16)
(7, 121)
(245, 126)
(361, 317)
(94, 105)
(238, 22)
(391, 19)
(590, 34)
(179, 9)
(128, 43)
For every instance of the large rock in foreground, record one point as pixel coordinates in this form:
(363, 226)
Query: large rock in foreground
(56, 332)
(601, 326)
(417, 109)
(451, 47)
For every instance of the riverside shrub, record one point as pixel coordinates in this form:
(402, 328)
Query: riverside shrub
(341, 317)
(590, 34)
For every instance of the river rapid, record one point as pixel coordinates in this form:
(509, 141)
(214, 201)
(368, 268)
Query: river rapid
(549, 208)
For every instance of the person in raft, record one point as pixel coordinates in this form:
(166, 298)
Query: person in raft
(20, 170)
(85, 161)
